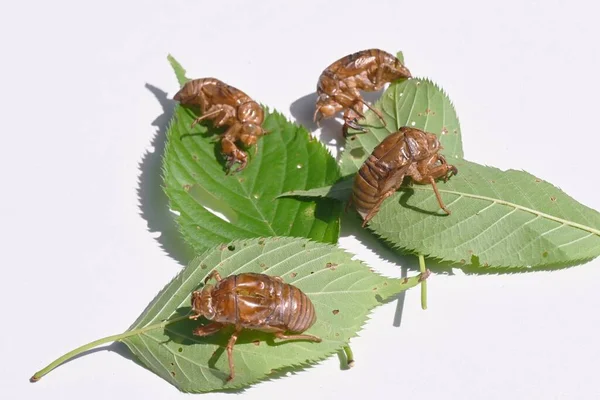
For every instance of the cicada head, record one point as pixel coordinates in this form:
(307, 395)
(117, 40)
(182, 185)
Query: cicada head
(202, 302)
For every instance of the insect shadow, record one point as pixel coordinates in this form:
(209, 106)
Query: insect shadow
(180, 338)
(303, 110)
(405, 196)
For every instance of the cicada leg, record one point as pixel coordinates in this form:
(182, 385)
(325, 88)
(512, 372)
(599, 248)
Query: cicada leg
(233, 154)
(214, 274)
(304, 336)
(209, 329)
(207, 115)
(437, 195)
(230, 345)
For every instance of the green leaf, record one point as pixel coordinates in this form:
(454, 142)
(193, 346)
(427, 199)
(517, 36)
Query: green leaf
(400, 56)
(499, 219)
(341, 190)
(287, 158)
(179, 70)
(342, 290)
(417, 103)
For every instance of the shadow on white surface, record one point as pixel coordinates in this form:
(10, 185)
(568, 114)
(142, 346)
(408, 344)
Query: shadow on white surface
(154, 204)
(303, 110)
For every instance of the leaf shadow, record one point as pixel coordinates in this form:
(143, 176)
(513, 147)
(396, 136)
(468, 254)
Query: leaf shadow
(154, 203)
(352, 226)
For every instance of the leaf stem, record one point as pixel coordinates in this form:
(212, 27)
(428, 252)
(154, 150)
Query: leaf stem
(349, 356)
(423, 282)
(114, 338)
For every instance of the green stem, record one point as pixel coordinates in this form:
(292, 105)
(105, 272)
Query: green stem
(114, 338)
(423, 282)
(349, 356)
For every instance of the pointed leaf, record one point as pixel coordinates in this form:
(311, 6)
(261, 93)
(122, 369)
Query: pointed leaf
(499, 219)
(341, 190)
(342, 290)
(179, 70)
(287, 158)
(418, 103)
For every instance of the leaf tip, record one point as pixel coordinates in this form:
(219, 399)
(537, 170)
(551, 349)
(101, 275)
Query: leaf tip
(178, 69)
(400, 56)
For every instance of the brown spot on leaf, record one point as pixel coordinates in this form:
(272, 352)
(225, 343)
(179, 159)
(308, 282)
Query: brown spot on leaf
(545, 254)
(293, 275)
(173, 373)
(353, 138)
(194, 156)
(384, 283)
(222, 247)
(331, 266)
(493, 181)
(462, 261)
(263, 265)
(405, 280)
(336, 312)
(187, 187)
(374, 288)
(538, 180)
(444, 131)
(203, 266)
(337, 334)
(256, 342)
(552, 198)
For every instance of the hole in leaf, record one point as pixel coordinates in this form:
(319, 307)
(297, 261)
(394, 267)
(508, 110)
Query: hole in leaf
(545, 254)
(216, 206)
(180, 349)
(231, 247)
(293, 275)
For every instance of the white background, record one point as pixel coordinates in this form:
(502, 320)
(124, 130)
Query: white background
(82, 209)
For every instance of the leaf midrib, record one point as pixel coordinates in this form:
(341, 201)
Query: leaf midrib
(514, 205)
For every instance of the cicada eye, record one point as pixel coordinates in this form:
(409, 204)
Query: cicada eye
(413, 146)
(251, 129)
(327, 110)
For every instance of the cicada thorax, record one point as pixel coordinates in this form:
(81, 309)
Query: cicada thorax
(262, 302)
